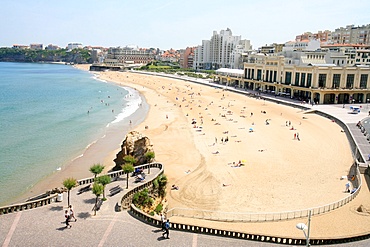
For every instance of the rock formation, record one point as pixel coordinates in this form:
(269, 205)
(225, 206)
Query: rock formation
(136, 145)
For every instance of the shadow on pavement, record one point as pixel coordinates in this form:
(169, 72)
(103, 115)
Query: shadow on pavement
(90, 201)
(61, 228)
(56, 208)
(161, 238)
(84, 215)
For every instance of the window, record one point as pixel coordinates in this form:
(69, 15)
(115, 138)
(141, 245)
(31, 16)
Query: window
(275, 75)
(350, 80)
(322, 80)
(363, 81)
(259, 74)
(336, 80)
(267, 75)
(296, 83)
(303, 79)
(309, 78)
(288, 78)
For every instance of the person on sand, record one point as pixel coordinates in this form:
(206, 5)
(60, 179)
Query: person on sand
(225, 185)
(175, 187)
(347, 187)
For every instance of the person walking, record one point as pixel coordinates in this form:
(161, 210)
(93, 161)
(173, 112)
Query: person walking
(66, 215)
(167, 229)
(163, 220)
(71, 213)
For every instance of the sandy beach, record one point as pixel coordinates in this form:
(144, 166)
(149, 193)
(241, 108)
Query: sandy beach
(291, 160)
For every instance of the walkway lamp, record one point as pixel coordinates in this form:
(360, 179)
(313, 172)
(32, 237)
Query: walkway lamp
(303, 227)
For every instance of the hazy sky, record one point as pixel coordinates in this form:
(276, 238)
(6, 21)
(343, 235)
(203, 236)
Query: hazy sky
(169, 24)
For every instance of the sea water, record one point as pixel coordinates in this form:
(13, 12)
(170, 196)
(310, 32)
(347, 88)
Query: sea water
(49, 114)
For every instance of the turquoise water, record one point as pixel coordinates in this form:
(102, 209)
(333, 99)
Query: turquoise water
(48, 115)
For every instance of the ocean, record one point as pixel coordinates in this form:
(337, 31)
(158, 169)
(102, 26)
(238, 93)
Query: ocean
(50, 114)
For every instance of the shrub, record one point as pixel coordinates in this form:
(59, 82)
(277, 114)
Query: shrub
(159, 208)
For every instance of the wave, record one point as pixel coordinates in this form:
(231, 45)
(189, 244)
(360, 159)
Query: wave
(134, 102)
(96, 77)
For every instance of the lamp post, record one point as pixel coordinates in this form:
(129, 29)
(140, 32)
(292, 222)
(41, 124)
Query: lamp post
(303, 227)
(367, 105)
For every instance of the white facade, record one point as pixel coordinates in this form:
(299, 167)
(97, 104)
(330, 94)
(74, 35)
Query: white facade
(72, 46)
(217, 52)
(306, 45)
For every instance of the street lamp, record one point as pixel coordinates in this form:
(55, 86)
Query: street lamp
(303, 227)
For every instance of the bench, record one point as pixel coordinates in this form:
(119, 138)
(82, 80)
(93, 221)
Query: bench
(98, 205)
(115, 190)
(84, 189)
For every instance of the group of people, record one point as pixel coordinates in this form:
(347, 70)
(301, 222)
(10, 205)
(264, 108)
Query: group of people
(69, 214)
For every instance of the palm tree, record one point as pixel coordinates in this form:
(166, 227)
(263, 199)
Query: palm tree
(96, 169)
(127, 168)
(97, 190)
(149, 156)
(103, 180)
(69, 183)
(129, 159)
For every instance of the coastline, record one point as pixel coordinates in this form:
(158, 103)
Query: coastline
(103, 150)
(278, 170)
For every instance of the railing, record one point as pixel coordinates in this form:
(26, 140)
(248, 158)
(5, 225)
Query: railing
(127, 197)
(260, 217)
(156, 222)
(116, 174)
(27, 205)
(49, 199)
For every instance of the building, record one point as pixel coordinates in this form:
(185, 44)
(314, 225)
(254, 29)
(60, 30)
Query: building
(352, 35)
(322, 36)
(36, 46)
(72, 46)
(348, 54)
(52, 47)
(302, 45)
(23, 47)
(118, 56)
(273, 48)
(171, 56)
(216, 52)
(320, 83)
(186, 59)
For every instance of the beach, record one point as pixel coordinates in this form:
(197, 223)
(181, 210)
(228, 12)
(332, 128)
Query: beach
(201, 134)
(279, 172)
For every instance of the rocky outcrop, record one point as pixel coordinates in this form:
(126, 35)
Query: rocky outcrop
(136, 145)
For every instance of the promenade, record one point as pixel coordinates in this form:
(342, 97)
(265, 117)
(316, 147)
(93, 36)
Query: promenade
(45, 226)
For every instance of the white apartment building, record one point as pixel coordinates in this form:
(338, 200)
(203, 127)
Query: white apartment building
(216, 52)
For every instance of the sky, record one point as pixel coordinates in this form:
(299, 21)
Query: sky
(167, 24)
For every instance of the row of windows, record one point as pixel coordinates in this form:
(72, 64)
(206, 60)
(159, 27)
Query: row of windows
(305, 79)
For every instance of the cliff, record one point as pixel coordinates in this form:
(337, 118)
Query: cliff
(135, 145)
(61, 55)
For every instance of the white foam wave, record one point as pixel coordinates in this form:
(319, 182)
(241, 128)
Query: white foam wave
(98, 79)
(134, 102)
